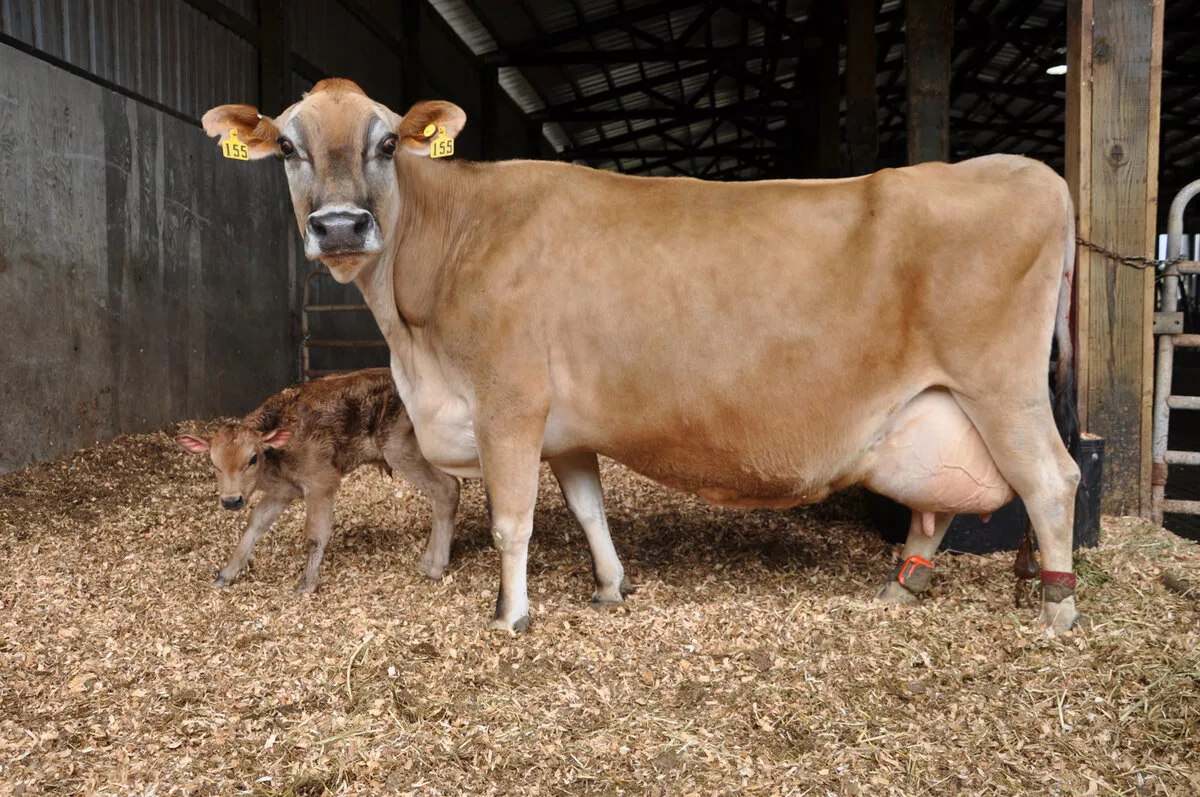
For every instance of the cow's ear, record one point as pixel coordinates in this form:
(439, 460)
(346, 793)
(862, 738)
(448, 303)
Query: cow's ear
(193, 444)
(277, 438)
(424, 115)
(258, 133)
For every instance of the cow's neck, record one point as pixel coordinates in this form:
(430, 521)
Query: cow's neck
(433, 233)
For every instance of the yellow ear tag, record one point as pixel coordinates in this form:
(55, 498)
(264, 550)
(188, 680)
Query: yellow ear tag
(233, 148)
(444, 146)
(429, 131)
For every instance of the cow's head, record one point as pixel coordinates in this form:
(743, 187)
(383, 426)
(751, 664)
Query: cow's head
(237, 454)
(339, 149)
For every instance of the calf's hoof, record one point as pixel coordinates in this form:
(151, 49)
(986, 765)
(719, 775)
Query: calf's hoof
(1059, 617)
(223, 581)
(305, 587)
(893, 594)
(500, 624)
(432, 570)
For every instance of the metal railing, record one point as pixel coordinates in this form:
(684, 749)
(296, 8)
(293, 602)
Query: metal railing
(1168, 326)
(307, 372)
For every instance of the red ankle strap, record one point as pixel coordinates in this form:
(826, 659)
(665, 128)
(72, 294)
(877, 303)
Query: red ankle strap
(1052, 578)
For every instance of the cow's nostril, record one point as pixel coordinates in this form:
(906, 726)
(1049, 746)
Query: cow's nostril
(360, 226)
(318, 228)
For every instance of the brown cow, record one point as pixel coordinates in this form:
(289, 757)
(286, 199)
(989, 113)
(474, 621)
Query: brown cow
(759, 344)
(302, 441)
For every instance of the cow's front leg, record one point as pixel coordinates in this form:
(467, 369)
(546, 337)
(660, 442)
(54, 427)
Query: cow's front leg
(510, 457)
(262, 517)
(318, 525)
(579, 478)
(912, 576)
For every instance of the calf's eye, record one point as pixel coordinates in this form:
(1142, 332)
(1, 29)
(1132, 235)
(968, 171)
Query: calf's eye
(253, 459)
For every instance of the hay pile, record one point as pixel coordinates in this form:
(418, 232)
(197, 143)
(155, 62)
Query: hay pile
(748, 660)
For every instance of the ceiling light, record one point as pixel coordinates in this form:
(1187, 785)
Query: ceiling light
(1060, 69)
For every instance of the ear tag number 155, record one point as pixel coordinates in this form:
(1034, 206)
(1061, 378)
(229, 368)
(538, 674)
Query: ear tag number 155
(444, 146)
(233, 147)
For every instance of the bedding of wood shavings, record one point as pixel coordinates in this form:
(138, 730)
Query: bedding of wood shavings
(748, 661)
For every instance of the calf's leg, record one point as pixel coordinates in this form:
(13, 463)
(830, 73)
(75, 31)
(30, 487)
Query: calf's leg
(911, 577)
(318, 525)
(262, 517)
(579, 479)
(443, 491)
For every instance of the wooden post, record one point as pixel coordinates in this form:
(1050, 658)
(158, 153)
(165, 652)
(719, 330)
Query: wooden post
(829, 88)
(929, 34)
(412, 81)
(862, 100)
(274, 57)
(1114, 80)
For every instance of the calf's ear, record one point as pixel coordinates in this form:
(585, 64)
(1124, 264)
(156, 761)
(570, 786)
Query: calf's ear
(437, 113)
(194, 444)
(257, 132)
(277, 438)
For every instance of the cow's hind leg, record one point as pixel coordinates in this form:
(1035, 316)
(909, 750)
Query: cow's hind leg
(579, 478)
(911, 576)
(1026, 446)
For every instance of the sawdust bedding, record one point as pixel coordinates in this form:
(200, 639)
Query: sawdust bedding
(749, 661)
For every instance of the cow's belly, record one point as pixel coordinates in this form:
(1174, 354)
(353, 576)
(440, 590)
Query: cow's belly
(932, 459)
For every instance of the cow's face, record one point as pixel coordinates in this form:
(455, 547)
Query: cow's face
(339, 149)
(237, 456)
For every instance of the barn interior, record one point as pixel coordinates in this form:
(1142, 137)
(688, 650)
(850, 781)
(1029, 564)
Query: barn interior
(716, 89)
(149, 286)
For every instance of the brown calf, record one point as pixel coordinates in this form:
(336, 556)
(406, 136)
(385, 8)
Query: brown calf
(301, 442)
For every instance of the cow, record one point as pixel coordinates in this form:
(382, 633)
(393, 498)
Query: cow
(303, 440)
(760, 344)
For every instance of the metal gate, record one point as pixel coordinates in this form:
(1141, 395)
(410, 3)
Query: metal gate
(1168, 326)
(307, 372)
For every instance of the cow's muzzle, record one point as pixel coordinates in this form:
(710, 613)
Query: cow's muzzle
(341, 230)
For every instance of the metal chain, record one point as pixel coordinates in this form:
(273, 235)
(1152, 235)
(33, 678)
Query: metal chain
(1133, 261)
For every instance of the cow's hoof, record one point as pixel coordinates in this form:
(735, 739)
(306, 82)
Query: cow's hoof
(1059, 618)
(893, 594)
(498, 624)
(627, 587)
(607, 599)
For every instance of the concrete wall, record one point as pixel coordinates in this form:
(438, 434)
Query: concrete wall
(143, 278)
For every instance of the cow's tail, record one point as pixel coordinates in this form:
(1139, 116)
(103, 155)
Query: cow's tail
(1066, 410)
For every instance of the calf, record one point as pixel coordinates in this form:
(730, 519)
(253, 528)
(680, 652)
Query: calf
(301, 442)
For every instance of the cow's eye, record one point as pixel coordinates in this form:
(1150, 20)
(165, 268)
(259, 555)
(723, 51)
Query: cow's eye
(253, 459)
(286, 147)
(388, 146)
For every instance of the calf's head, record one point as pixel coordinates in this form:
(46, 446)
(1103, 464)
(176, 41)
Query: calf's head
(237, 455)
(340, 151)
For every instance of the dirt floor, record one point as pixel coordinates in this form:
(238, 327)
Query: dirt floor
(748, 661)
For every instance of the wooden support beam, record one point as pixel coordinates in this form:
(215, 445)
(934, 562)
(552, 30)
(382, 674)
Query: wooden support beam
(274, 57)
(1114, 83)
(862, 101)
(412, 80)
(929, 35)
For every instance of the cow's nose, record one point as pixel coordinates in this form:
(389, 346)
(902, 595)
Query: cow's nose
(236, 502)
(340, 230)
